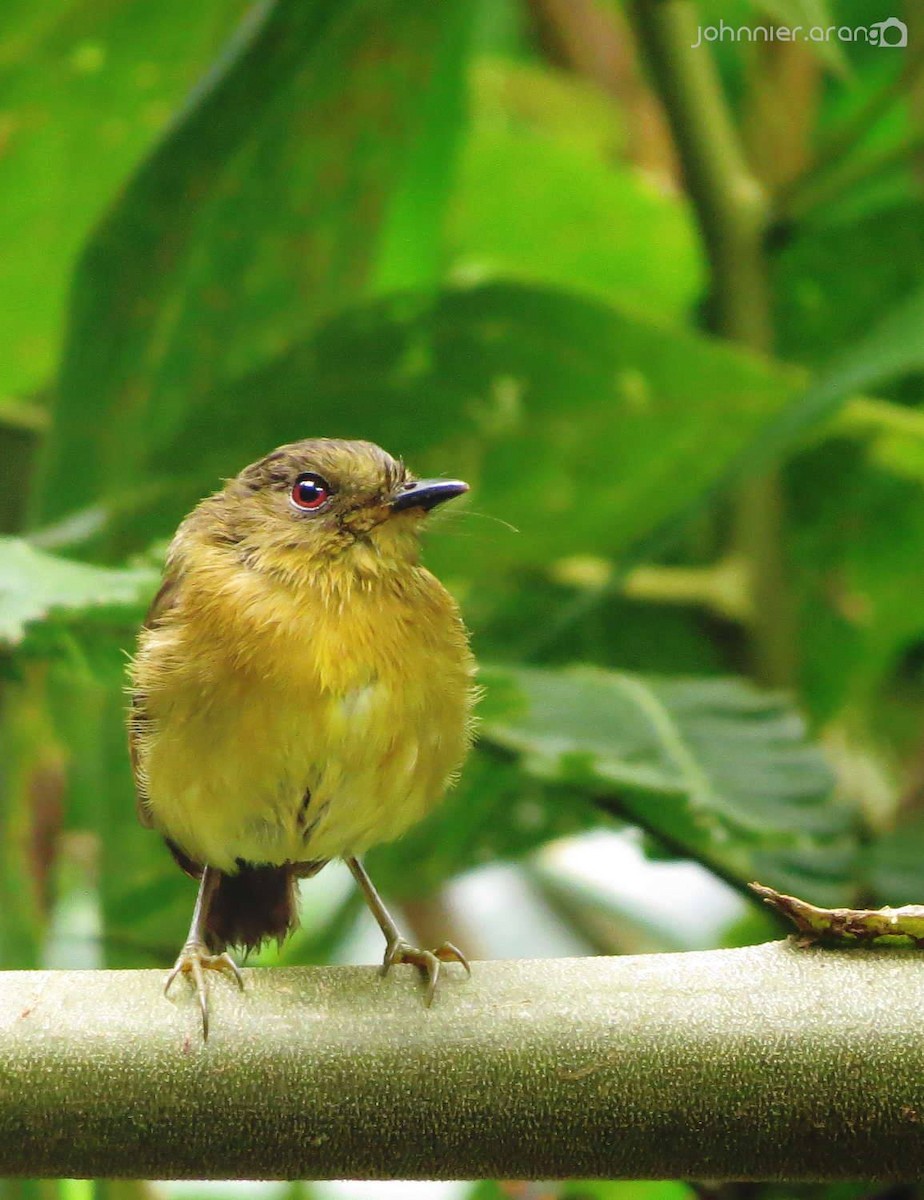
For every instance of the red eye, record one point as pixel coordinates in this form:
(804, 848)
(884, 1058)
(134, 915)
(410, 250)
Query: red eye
(310, 492)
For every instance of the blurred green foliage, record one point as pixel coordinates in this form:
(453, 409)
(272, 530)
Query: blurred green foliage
(449, 229)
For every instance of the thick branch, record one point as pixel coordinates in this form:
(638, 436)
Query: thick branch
(768, 1062)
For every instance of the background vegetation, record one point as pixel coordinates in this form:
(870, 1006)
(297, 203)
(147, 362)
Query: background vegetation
(661, 307)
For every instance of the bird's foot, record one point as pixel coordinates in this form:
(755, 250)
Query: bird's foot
(194, 960)
(428, 961)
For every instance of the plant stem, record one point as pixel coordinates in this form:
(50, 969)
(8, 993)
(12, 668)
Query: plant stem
(819, 193)
(765, 1062)
(731, 206)
(733, 211)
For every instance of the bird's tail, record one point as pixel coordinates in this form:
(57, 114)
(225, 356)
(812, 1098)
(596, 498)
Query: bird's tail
(252, 906)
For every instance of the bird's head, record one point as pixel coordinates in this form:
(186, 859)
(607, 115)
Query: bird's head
(322, 503)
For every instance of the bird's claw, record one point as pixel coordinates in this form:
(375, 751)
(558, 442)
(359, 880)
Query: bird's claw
(195, 960)
(428, 961)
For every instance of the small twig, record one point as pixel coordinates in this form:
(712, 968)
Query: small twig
(814, 193)
(845, 925)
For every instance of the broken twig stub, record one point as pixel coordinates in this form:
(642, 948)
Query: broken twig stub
(845, 925)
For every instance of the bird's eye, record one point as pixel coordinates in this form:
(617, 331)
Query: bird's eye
(310, 492)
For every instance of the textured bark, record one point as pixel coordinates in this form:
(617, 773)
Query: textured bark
(768, 1062)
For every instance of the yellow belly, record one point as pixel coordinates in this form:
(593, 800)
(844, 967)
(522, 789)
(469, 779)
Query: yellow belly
(333, 731)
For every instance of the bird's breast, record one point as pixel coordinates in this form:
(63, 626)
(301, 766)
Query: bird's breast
(306, 734)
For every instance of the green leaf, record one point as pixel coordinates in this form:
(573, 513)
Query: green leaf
(585, 426)
(892, 348)
(35, 586)
(857, 544)
(895, 863)
(260, 212)
(496, 811)
(540, 196)
(86, 86)
(834, 283)
(411, 249)
(713, 768)
(857, 551)
(734, 754)
(583, 622)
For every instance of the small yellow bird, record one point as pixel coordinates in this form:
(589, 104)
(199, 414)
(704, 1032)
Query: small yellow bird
(302, 690)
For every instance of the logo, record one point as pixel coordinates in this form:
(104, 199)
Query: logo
(890, 32)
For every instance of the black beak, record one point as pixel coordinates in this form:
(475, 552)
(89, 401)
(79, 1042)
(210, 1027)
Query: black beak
(427, 493)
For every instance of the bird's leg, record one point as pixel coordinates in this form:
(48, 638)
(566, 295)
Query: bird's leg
(195, 958)
(397, 949)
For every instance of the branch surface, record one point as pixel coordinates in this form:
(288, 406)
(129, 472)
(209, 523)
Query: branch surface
(761, 1063)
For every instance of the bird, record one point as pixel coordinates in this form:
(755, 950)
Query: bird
(302, 690)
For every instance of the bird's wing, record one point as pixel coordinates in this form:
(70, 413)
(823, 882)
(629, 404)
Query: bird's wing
(137, 715)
